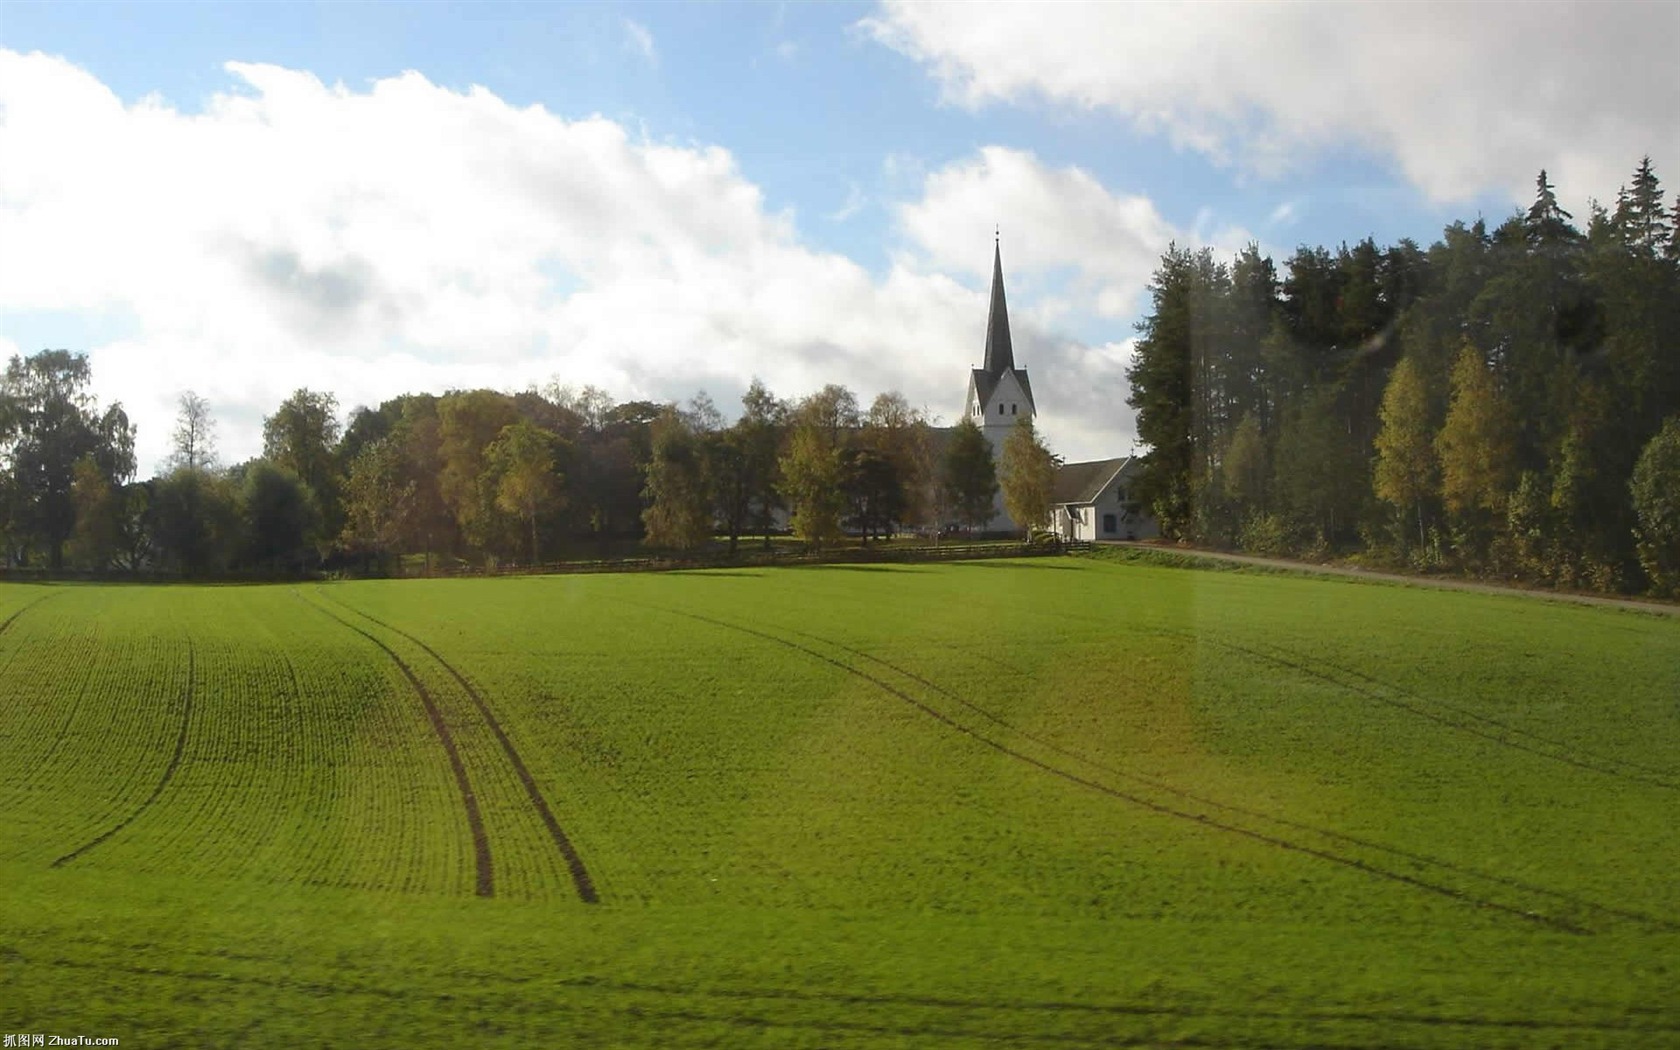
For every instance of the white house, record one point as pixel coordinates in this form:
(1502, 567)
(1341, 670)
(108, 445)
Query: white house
(1093, 501)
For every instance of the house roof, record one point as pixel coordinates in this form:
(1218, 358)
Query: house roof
(985, 383)
(1084, 482)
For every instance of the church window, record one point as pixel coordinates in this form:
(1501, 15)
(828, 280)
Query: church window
(1011, 409)
(1000, 408)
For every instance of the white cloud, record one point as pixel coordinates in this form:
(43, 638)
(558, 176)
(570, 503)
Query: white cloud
(1053, 220)
(855, 200)
(638, 39)
(408, 237)
(1082, 254)
(1464, 97)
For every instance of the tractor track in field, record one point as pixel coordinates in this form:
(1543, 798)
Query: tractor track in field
(1613, 911)
(1570, 754)
(12, 619)
(213, 970)
(163, 781)
(581, 879)
(485, 882)
(6, 624)
(1200, 819)
(1414, 704)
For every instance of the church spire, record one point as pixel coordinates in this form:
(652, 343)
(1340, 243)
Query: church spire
(1000, 354)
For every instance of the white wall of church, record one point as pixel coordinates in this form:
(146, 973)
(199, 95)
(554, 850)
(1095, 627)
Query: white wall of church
(1006, 407)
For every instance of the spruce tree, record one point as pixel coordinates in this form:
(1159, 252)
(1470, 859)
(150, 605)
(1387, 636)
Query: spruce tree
(1640, 217)
(1546, 223)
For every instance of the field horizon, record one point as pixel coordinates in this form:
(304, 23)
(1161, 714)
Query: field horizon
(1071, 801)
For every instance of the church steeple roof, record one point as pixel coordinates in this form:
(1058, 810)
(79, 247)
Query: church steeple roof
(1000, 353)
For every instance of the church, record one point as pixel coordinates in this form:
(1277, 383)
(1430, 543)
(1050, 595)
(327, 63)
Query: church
(1092, 500)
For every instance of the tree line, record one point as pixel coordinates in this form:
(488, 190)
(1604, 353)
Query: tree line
(482, 476)
(1506, 402)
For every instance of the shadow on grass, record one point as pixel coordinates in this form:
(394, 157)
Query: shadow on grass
(855, 567)
(714, 572)
(1022, 563)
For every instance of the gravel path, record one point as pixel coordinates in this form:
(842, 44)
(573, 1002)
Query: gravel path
(1659, 608)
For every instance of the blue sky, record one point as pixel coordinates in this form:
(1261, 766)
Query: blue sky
(659, 198)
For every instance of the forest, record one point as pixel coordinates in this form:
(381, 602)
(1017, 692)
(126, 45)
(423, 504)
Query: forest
(1504, 403)
(479, 477)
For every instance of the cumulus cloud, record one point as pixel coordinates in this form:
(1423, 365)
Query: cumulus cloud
(1082, 253)
(1462, 97)
(1059, 221)
(409, 237)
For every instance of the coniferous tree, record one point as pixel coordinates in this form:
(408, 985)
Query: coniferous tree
(1162, 380)
(969, 476)
(1546, 223)
(1640, 214)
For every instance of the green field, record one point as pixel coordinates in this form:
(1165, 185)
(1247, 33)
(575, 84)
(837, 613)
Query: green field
(1059, 801)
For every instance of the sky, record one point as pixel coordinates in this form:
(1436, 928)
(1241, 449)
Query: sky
(371, 199)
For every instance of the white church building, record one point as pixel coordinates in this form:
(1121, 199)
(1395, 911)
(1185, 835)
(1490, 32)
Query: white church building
(1093, 500)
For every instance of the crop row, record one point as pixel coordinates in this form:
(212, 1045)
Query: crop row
(313, 769)
(528, 849)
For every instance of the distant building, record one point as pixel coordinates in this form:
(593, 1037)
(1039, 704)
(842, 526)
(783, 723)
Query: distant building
(1092, 500)
(999, 394)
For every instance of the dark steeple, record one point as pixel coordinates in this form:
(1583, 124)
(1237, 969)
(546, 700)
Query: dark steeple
(1000, 354)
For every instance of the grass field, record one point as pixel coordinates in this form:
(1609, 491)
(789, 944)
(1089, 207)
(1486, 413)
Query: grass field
(1045, 802)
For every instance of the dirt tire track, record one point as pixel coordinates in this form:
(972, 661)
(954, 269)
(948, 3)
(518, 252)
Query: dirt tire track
(581, 880)
(1201, 819)
(1353, 840)
(163, 781)
(475, 821)
(8, 621)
